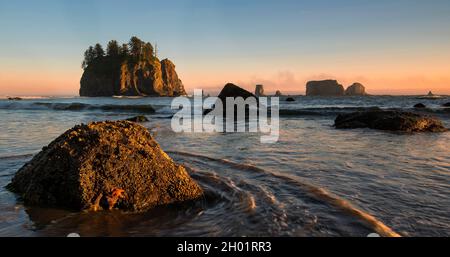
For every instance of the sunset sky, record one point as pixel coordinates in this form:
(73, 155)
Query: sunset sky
(391, 46)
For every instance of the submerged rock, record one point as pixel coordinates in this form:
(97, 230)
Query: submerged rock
(259, 90)
(140, 118)
(357, 89)
(389, 120)
(104, 165)
(324, 88)
(290, 99)
(15, 98)
(420, 105)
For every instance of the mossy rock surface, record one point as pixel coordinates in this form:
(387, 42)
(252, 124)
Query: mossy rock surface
(90, 164)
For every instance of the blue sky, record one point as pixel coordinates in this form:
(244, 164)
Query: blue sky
(281, 43)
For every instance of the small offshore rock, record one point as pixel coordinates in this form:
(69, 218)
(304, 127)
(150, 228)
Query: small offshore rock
(389, 120)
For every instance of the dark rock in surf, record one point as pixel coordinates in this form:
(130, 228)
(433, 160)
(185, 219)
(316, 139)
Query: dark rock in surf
(389, 120)
(446, 104)
(140, 118)
(290, 99)
(231, 90)
(324, 88)
(420, 106)
(104, 165)
(15, 98)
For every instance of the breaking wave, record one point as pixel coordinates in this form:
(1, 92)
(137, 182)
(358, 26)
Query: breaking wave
(317, 192)
(143, 108)
(15, 157)
(334, 111)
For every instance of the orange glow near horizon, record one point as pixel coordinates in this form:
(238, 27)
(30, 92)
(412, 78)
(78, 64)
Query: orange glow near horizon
(389, 80)
(67, 83)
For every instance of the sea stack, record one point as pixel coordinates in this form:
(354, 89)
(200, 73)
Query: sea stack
(259, 90)
(324, 88)
(357, 89)
(104, 165)
(130, 70)
(278, 93)
(232, 90)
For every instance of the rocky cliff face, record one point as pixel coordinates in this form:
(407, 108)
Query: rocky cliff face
(110, 76)
(172, 83)
(357, 89)
(324, 88)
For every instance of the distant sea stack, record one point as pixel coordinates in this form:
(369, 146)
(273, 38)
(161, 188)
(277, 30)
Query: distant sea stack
(357, 89)
(259, 90)
(131, 69)
(324, 88)
(333, 88)
(278, 93)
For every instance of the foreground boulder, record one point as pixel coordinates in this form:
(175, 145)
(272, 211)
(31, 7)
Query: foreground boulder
(324, 88)
(389, 120)
(357, 89)
(104, 165)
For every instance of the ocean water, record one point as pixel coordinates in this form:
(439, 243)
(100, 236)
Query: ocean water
(315, 181)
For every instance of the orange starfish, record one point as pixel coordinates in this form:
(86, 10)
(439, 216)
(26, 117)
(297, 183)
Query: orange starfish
(116, 194)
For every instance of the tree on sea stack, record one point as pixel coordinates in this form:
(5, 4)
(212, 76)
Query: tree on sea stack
(147, 51)
(124, 50)
(135, 47)
(89, 56)
(112, 48)
(98, 51)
